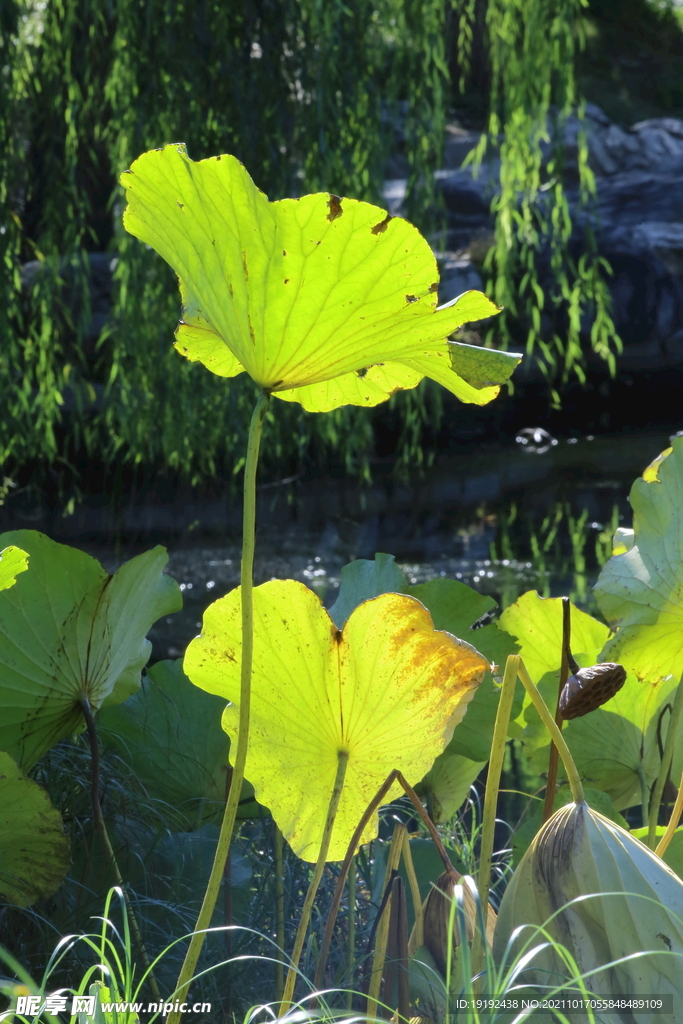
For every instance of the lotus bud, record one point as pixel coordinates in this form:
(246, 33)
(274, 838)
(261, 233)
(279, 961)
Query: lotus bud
(589, 688)
(635, 906)
(436, 915)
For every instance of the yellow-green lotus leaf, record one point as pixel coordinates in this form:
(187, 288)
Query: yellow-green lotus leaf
(12, 561)
(388, 690)
(640, 590)
(617, 747)
(322, 300)
(34, 852)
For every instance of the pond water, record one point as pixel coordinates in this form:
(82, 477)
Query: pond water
(505, 517)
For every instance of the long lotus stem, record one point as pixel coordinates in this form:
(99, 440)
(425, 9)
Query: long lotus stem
(414, 891)
(551, 783)
(673, 822)
(382, 931)
(665, 766)
(555, 734)
(391, 778)
(342, 761)
(351, 935)
(228, 824)
(278, 844)
(498, 742)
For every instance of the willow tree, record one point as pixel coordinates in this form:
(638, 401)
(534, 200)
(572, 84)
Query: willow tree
(307, 95)
(533, 47)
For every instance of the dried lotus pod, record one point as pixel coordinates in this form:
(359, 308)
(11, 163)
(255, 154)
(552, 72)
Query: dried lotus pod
(437, 908)
(589, 688)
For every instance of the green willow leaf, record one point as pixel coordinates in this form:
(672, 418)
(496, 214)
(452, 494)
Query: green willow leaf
(388, 690)
(34, 852)
(12, 561)
(305, 292)
(69, 630)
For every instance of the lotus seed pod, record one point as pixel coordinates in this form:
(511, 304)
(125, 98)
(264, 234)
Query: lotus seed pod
(437, 911)
(634, 905)
(590, 688)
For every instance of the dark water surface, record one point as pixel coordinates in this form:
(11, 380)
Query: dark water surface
(497, 516)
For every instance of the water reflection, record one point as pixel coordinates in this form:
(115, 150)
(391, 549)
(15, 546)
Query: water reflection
(489, 515)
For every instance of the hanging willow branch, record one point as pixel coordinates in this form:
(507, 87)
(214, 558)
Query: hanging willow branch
(301, 91)
(533, 46)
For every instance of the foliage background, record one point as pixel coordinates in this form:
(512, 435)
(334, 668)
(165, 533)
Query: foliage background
(310, 96)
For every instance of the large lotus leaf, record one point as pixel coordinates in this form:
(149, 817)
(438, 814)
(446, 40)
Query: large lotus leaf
(364, 579)
(70, 630)
(12, 561)
(303, 291)
(617, 747)
(169, 733)
(455, 607)
(447, 784)
(388, 691)
(34, 852)
(640, 591)
(614, 746)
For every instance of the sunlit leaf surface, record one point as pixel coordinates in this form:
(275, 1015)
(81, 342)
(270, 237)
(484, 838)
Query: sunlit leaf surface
(616, 748)
(321, 300)
(640, 590)
(34, 852)
(388, 690)
(12, 561)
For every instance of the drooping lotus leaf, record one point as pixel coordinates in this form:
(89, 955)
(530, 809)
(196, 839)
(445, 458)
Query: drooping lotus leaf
(446, 785)
(640, 591)
(12, 561)
(70, 630)
(322, 300)
(455, 607)
(34, 852)
(617, 745)
(388, 690)
(169, 733)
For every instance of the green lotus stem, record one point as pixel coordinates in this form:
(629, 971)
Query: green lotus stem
(279, 909)
(673, 822)
(351, 934)
(414, 891)
(342, 761)
(664, 768)
(555, 734)
(228, 824)
(500, 732)
(382, 931)
(551, 783)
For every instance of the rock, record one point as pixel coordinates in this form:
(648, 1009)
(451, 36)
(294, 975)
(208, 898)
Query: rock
(638, 219)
